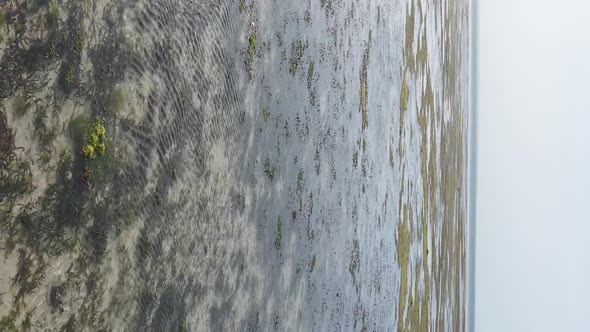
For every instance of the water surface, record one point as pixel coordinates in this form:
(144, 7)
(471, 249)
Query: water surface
(267, 165)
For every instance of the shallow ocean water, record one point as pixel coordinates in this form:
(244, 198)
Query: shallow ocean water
(275, 166)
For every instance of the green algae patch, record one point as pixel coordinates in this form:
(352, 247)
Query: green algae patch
(355, 258)
(312, 264)
(49, 230)
(297, 51)
(95, 140)
(69, 74)
(279, 236)
(29, 275)
(310, 74)
(270, 169)
(19, 106)
(422, 53)
(90, 138)
(250, 53)
(79, 43)
(391, 156)
(77, 129)
(101, 167)
(8, 322)
(265, 114)
(403, 256)
(404, 96)
(53, 15)
(310, 232)
(364, 87)
(43, 134)
(251, 47)
(409, 38)
(418, 306)
(318, 161)
(182, 327)
(300, 181)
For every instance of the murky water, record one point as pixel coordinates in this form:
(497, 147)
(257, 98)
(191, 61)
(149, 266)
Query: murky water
(268, 166)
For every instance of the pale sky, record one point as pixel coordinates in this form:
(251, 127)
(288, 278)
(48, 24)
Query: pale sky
(533, 195)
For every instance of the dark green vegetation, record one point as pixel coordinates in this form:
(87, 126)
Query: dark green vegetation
(91, 141)
(95, 138)
(250, 52)
(279, 236)
(69, 74)
(409, 37)
(2, 18)
(318, 161)
(59, 202)
(30, 273)
(404, 95)
(26, 65)
(364, 86)
(328, 6)
(403, 256)
(310, 74)
(182, 327)
(269, 169)
(355, 258)
(44, 135)
(8, 323)
(403, 106)
(297, 50)
(312, 78)
(19, 105)
(15, 174)
(265, 114)
(300, 181)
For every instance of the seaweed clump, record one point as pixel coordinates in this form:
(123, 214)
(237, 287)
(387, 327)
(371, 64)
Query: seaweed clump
(15, 174)
(6, 141)
(20, 106)
(279, 237)
(8, 323)
(69, 74)
(30, 273)
(297, 50)
(92, 141)
(95, 139)
(364, 85)
(250, 53)
(270, 169)
(58, 214)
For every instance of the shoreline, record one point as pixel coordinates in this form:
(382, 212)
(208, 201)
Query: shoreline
(472, 167)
